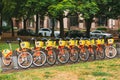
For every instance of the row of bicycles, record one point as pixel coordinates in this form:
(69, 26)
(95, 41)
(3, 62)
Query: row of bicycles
(51, 51)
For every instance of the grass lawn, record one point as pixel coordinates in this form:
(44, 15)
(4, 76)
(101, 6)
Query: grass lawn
(96, 70)
(4, 45)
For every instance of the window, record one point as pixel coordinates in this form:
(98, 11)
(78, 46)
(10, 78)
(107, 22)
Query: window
(45, 30)
(102, 21)
(96, 32)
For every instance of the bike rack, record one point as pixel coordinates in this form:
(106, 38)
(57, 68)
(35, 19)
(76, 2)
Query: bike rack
(15, 64)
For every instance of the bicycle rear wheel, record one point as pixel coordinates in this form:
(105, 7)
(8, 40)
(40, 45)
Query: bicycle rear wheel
(74, 55)
(39, 58)
(63, 56)
(51, 57)
(25, 59)
(110, 52)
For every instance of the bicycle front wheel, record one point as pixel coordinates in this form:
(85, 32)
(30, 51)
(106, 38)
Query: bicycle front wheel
(25, 59)
(39, 58)
(63, 56)
(110, 52)
(84, 55)
(92, 55)
(7, 61)
(51, 57)
(74, 55)
(101, 53)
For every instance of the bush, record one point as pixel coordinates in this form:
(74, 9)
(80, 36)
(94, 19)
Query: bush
(102, 28)
(119, 30)
(5, 28)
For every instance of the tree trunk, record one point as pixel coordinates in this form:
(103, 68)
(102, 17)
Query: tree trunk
(53, 25)
(24, 22)
(61, 27)
(88, 26)
(37, 17)
(12, 27)
(0, 20)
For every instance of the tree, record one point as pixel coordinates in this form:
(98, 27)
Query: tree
(57, 11)
(1, 7)
(88, 9)
(8, 12)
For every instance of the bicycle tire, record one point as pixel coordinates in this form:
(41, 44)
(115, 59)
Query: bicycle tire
(101, 53)
(25, 60)
(84, 56)
(7, 61)
(51, 59)
(74, 56)
(39, 58)
(92, 55)
(110, 52)
(63, 58)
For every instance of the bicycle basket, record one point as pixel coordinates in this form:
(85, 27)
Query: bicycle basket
(39, 43)
(6, 52)
(62, 43)
(25, 44)
(82, 42)
(92, 42)
(88, 42)
(102, 41)
(71, 42)
(98, 41)
(49, 43)
(110, 41)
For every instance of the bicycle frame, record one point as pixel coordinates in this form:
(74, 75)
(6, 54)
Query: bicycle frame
(81, 45)
(50, 45)
(62, 44)
(99, 44)
(89, 44)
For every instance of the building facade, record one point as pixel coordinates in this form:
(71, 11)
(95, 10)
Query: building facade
(72, 22)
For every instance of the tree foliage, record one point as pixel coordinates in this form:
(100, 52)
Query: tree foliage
(56, 9)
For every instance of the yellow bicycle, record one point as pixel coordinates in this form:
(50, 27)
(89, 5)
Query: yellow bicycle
(51, 51)
(90, 46)
(83, 51)
(110, 50)
(100, 49)
(73, 50)
(63, 52)
(24, 53)
(7, 55)
(39, 55)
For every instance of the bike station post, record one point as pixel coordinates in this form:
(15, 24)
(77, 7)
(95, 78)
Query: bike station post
(15, 64)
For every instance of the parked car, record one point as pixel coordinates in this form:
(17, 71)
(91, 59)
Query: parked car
(47, 32)
(74, 34)
(25, 32)
(98, 33)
